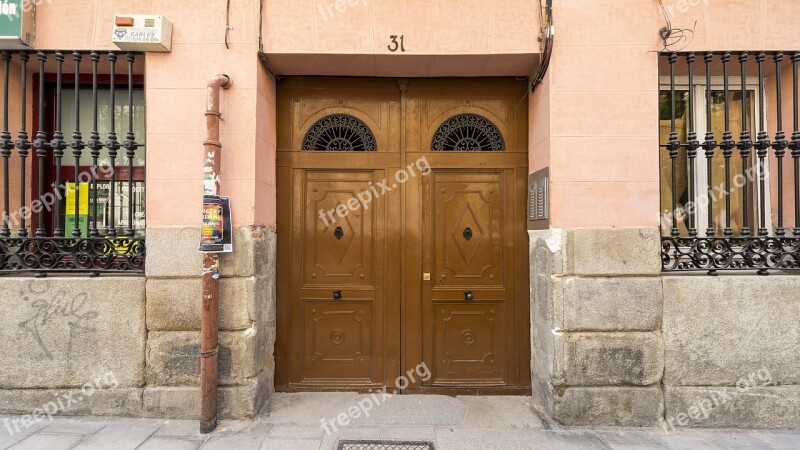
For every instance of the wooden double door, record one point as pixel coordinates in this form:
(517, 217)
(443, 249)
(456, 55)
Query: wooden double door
(402, 244)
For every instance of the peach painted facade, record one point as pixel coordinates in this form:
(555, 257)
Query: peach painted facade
(298, 38)
(442, 37)
(594, 117)
(595, 273)
(175, 94)
(591, 121)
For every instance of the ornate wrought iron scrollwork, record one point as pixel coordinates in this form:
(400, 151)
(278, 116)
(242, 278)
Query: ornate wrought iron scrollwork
(468, 132)
(340, 132)
(736, 253)
(49, 254)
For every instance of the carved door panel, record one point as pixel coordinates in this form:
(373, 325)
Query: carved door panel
(339, 299)
(468, 305)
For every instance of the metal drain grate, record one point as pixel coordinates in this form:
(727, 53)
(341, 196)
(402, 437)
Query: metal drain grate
(384, 445)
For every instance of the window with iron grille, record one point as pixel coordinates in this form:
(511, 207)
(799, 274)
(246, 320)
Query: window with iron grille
(72, 168)
(730, 148)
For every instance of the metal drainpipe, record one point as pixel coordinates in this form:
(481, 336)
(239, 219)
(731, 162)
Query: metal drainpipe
(209, 315)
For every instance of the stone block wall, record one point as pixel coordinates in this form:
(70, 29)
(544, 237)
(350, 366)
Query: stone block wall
(247, 323)
(598, 352)
(76, 341)
(616, 342)
(732, 351)
(129, 346)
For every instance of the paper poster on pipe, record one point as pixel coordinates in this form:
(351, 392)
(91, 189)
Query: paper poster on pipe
(216, 234)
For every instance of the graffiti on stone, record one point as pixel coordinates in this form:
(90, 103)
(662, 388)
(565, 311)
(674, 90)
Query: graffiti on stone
(55, 317)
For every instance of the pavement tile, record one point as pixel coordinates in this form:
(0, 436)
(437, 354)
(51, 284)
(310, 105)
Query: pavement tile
(307, 408)
(515, 438)
(437, 410)
(180, 428)
(170, 443)
(782, 439)
(243, 426)
(328, 443)
(359, 433)
(455, 446)
(48, 441)
(473, 445)
(567, 439)
(489, 434)
(420, 433)
(631, 436)
(329, 440)
(120, 436)
(486, 425)
(75, 425)
(14, 425)
(500, 412)
(250, 440)
(636, 447)
(291, 444)
(689, 441)
(7, 439)
(730, 439)
(296, 432)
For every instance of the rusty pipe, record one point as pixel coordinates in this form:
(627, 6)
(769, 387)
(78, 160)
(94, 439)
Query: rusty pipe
(209, 314)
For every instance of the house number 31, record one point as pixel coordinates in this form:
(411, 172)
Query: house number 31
(395, 45)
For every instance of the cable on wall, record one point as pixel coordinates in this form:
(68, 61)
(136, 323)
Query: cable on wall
(547, 35)
(260, 26)
(227, 22)
(670, 36)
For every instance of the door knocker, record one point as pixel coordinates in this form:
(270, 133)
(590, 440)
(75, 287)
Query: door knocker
(468, 233)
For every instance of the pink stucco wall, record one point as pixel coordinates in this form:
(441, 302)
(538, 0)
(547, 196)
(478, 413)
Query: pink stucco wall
(603, 138)
(603, 103)
(350, 37)
(539, 126)
(593, 121)
(175, 96)
(176, 92)
(14, 120)
(471, 36)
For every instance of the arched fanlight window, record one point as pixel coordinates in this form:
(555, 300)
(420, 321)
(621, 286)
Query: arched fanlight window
(340, 133)
(468, 132)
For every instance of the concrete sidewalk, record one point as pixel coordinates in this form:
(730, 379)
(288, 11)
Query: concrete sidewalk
(295, 421)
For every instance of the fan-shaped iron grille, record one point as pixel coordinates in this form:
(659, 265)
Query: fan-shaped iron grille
(468, 132)
(340, 133)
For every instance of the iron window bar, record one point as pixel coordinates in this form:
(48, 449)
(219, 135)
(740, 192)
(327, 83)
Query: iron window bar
(755, 245)
(95, 251)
